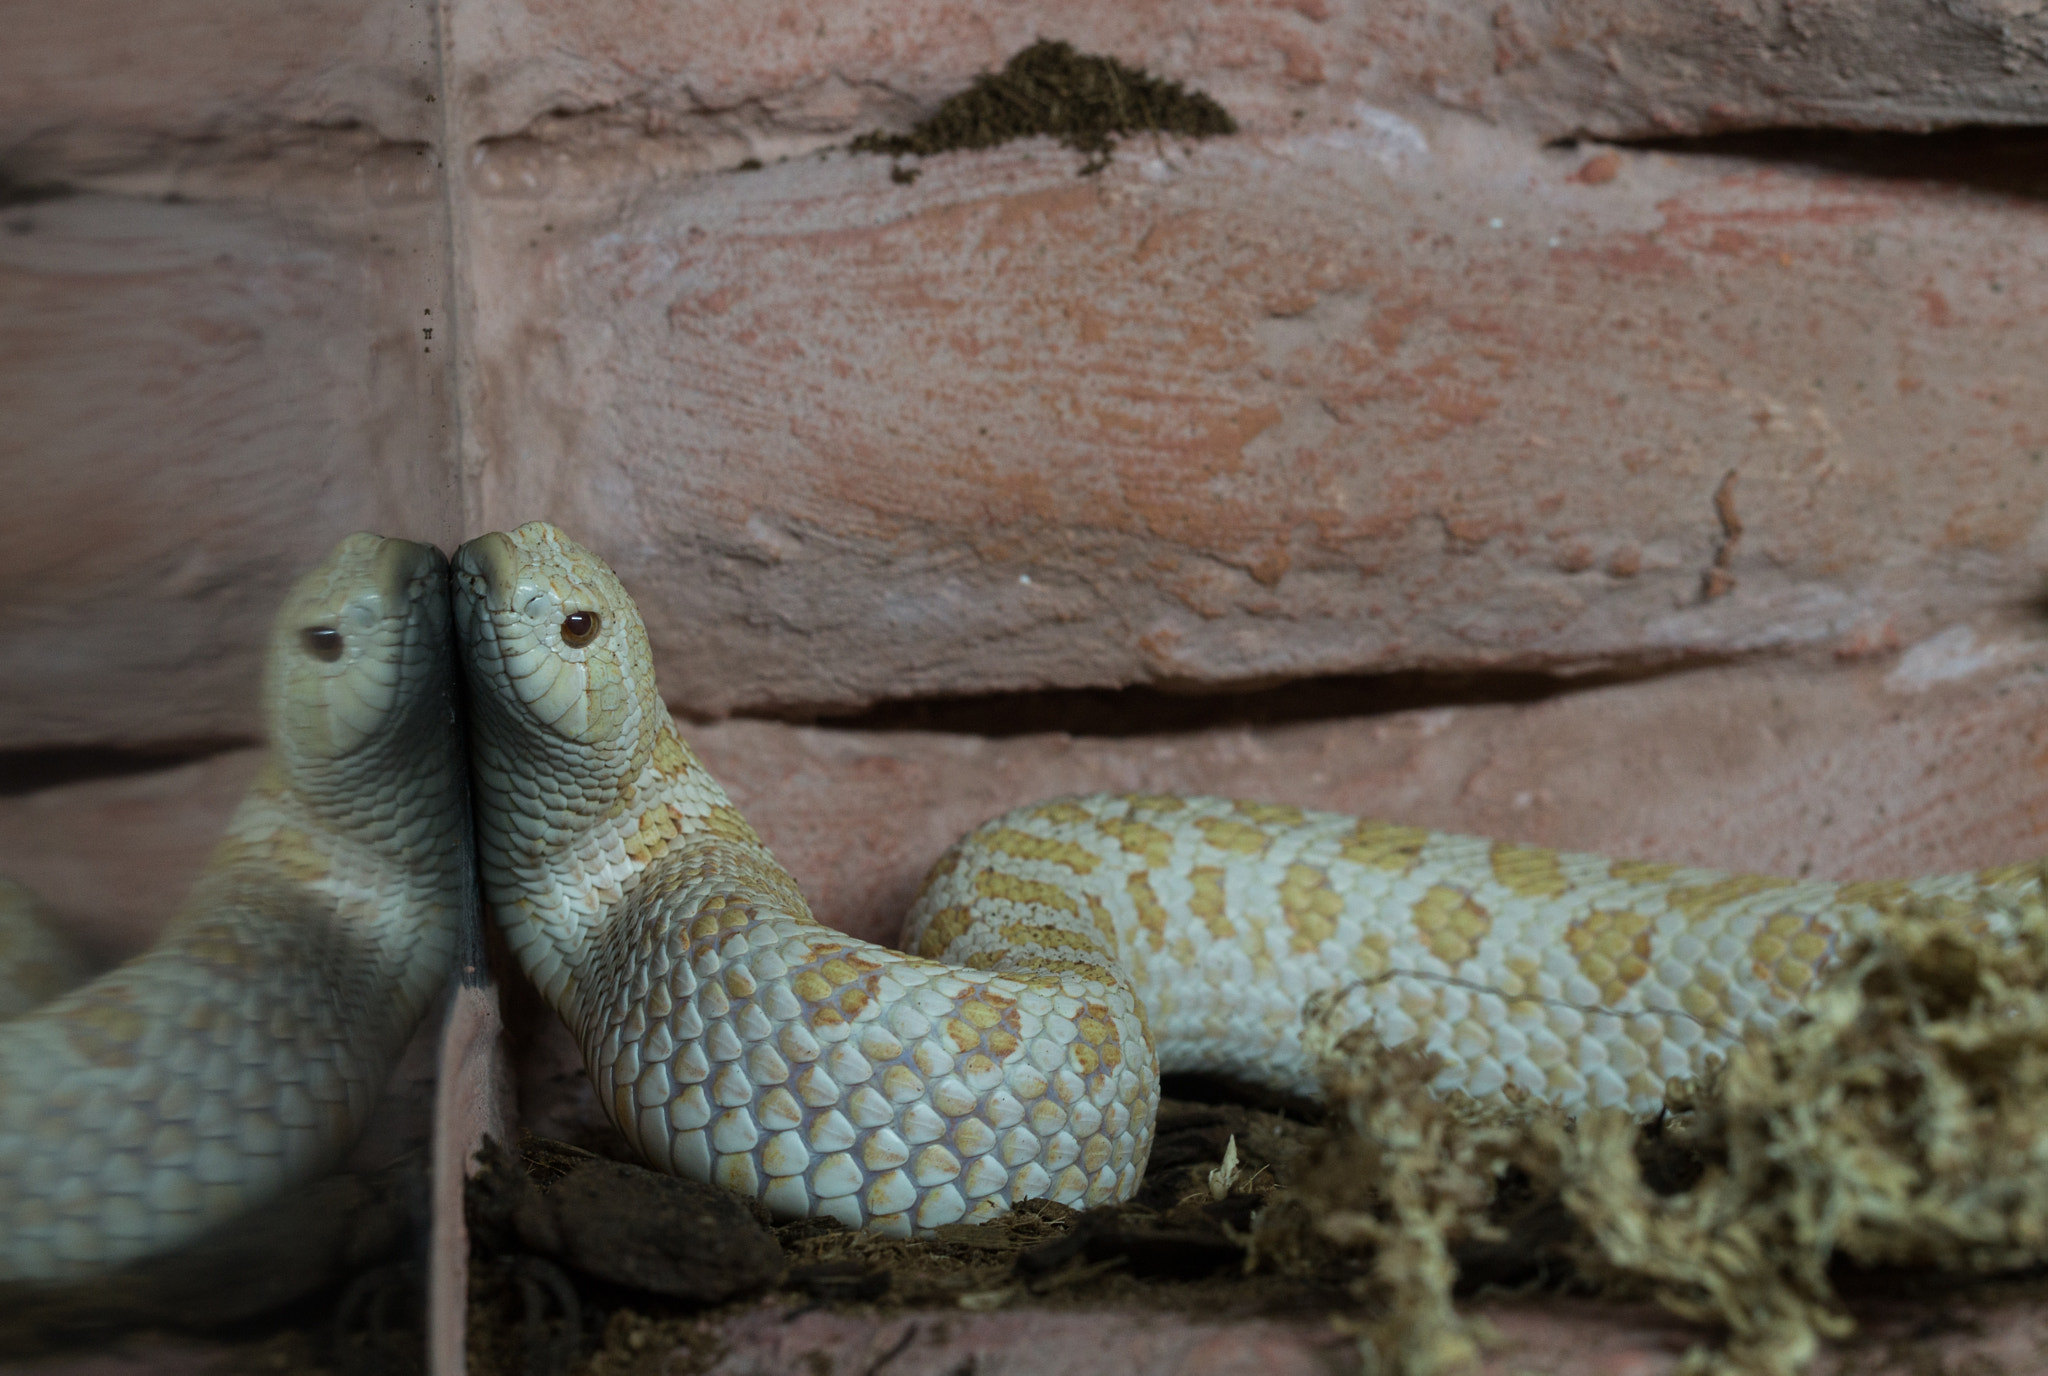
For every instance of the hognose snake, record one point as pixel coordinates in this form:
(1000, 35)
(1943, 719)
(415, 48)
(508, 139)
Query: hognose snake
(241, 1054)
(1061, 956)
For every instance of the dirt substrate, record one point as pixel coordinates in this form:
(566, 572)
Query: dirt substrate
(1174, 1248)
(1082, 99)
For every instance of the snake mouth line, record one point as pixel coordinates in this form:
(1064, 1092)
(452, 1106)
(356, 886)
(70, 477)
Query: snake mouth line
(472, 591)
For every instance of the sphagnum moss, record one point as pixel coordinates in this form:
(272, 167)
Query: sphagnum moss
(1901, 1121)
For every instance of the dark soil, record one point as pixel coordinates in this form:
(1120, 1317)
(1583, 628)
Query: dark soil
(1172, 1247)
(1081, 99)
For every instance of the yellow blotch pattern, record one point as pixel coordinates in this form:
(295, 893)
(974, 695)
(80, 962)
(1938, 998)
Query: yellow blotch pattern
(1048, 970)
(1024, 846)
(1528, 870)
(671, 757)
(1451, 924)
(1151, 914)
(1640, 871)
(1137, 838)
(982, 1013)
(1063, 813)
(658, 826)
(1613, 950)
(1104, 923)
(943, 930)
(1369, 956)
(1236, 837)
(1271, 814)
(963, 1034)
(1051, 938)
(1887, 896)
(1206, 902)
(292, 853)
(1384, 846)
(995, 884)
(1696, 902)
(726, 823)
(1788, 952)
(1706, 998)
(717, 915)
(1309, 905)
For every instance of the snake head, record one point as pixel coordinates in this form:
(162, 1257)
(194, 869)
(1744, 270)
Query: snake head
(555, 656)
(359, 651)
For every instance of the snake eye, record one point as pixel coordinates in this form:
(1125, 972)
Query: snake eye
(322, 642)
(579, 629)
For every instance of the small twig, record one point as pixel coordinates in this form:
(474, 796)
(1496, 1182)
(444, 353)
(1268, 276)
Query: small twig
(909, 1334)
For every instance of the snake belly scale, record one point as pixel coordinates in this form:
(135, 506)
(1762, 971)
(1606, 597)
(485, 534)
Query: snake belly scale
(1059, 957)
(241, 1055)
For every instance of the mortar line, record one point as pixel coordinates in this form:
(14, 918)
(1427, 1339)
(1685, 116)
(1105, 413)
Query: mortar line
(459, 299)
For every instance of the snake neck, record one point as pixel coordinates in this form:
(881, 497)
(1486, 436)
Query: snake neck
(379, 841)
(558, 881)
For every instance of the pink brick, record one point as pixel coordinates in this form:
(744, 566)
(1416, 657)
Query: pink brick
(1550, 1337)
(132, 84)
(200, 400)
(765, 78)
(1268, 408)
(1025, 1343)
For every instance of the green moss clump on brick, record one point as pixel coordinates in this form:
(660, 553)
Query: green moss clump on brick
(1081, 99)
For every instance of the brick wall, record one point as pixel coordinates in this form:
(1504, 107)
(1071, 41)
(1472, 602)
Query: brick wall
(1392, 379)
(1610, 486)
(1409, 375)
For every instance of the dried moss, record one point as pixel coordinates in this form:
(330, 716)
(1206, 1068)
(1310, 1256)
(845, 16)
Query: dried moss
(1409, 1179)
(1902, 1121)
(1081, 99)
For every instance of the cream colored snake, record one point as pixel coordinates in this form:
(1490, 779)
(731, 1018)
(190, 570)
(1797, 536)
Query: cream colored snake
(1062, 955)
(242, 1053)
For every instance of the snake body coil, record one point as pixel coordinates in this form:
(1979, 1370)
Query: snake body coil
(242, 1053)
(1061, 955)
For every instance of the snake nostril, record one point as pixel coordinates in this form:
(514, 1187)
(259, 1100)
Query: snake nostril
(493, 562)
